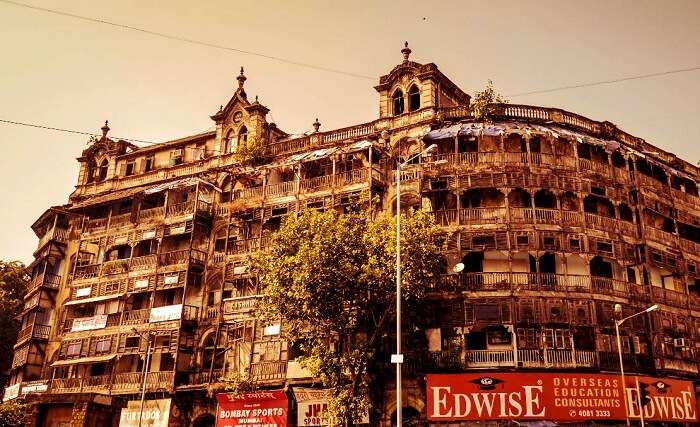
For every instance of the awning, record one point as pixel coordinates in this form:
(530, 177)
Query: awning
(93, 359)
(443, 132)
(180, 183)
(93, 299)
(108, 197)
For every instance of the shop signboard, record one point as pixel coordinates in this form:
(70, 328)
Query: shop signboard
(155, 413)
(261, 408)
(565, 397)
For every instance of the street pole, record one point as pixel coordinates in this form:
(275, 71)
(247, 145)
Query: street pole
(622, 371)
(639, 403)
(399, 404)
(145, 375)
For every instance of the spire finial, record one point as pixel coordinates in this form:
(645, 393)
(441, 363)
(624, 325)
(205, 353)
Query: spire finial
(406, 51)
(105, 129)
(316, 125)
(241, 79)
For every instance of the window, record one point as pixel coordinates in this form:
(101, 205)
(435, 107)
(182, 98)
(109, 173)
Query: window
(132, 342)
(103, 346)
(398, 102)
(488, 312)
(557, 338)
(91, 171)
(104, 166)
(73, 349)
(176, 157)
(130, 167)
(242, 135)
(230, 142)
(149, 164)
(413, 98)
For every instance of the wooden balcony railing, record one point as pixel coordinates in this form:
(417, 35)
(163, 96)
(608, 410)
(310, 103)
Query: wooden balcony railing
(516, 281)
(34, 330)
(178, 209)
(56, 234)
(48, 280)
(669, 297)
(488, 358)
(136, 317)
(151, 214)
(268, 370)
(130, 382)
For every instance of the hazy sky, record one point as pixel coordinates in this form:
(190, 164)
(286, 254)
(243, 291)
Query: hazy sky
(74, 74)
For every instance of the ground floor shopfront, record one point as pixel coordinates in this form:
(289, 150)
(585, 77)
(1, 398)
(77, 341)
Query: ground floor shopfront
(461, 399)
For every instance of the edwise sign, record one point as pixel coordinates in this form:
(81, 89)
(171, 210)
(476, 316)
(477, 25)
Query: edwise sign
(558, 397)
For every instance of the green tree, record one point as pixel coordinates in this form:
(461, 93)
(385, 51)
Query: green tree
(330, 277)
(483, 98)
(250, 152)
(13, 286)
(12, 413)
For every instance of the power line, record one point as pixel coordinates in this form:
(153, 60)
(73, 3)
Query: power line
(604, 82)
(38, 126)
(188, 40)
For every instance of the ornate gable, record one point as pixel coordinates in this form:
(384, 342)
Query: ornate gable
(239, 99)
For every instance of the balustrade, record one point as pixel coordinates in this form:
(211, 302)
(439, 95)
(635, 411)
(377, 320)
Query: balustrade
(151, 214)
(180, 209)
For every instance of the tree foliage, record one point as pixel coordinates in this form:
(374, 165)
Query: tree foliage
(330, 277)
(13, 286)
(483, 98)
(12, 413)
(250, 152)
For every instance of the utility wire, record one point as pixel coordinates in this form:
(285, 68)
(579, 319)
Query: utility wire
(605, 82)
(188, 40)
(314, 66)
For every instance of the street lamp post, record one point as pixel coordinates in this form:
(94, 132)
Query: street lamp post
(618, 311)
(144, 373)
(398, 357)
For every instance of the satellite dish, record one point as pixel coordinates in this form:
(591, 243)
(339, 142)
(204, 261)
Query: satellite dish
(458, 268)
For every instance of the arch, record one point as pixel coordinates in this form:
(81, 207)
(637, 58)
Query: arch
(548, 263)
(397, 102)
(482, 198)
(544, 198)
(410, 416)
(569, 202)
(212, 352)
(104, 167)
(242, 135)
(204, 420)
(519, 198)
(413, 98)
(226, 189)
(230, 141)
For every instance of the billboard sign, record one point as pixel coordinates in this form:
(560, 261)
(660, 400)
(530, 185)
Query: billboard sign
(155, 413)
(568, 397)
(262, 408)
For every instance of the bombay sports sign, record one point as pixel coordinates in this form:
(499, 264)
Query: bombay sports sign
(556, 397)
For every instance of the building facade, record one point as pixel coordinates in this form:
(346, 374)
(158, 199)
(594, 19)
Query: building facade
(140, 281)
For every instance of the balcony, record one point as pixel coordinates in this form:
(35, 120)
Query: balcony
(517, 281)
(151, 214)
(669, 297)
(184, 256)
(502, 215)
(269, 371)
(677, 365)
(56, 234)
(47, 280)
(610, 361)
(488, 358)
(121, 383)
(33, 331)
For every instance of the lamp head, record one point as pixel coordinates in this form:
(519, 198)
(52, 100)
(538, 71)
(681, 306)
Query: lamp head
(430, 148)
(652, 308)
(458, 268)
(618, 309)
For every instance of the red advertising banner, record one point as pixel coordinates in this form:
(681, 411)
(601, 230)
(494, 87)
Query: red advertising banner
(557, 397)
(258, 409)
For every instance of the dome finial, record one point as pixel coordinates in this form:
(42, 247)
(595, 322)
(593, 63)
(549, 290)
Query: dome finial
(406, 51)
(241, 79)
(316, 125)
(105, 129)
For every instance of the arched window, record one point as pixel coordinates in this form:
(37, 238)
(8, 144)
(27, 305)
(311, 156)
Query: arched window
(212, 353)
(413, 98)
(230, 142)
(398, 102)
(242, 135)
(103, 170)
(91, 170)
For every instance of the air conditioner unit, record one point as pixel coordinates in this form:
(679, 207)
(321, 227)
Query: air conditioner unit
(679, 342)
(177, 153)
(636, 347)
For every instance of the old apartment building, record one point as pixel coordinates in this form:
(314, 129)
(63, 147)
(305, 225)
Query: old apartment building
(555, 216)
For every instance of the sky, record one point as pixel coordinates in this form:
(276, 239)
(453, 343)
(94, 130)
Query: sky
(70, 73)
